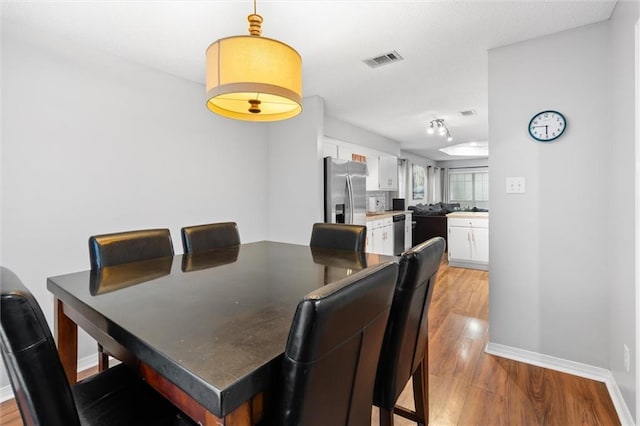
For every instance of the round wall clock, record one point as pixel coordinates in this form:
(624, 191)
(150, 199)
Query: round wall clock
(547, 126)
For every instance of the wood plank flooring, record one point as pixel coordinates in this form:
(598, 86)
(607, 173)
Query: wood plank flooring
(468, 387)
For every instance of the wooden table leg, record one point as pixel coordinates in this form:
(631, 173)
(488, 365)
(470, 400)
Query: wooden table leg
(66, 333)
(247, 414)
(103, 359)
(241, 416)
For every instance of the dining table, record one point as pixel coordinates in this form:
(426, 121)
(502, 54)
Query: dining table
(206, 330)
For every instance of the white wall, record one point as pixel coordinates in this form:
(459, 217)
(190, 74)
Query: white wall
(562, 255)
(1, 169)
(548, 247)
(93, 144)
(621, 193)
(338, 129)
(454, 164)
(637, 209)
(412, 158)
(296, 174)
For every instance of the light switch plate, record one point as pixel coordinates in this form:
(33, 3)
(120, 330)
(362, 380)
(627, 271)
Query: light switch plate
(516, 185)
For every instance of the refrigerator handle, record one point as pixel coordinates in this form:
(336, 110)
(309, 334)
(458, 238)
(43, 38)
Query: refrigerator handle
(350, 195)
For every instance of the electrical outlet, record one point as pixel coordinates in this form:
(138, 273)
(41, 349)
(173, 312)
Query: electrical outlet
(516, 185)
(626, 358)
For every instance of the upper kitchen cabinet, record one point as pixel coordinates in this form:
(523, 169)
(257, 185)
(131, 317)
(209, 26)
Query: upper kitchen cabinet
(387, 173)
(383, 173)
(337, 149)
(382, 169)
(372, 173)
(329, 149)
(346, 153)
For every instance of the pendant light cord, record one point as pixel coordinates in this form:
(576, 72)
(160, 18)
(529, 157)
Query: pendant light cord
(255, 22)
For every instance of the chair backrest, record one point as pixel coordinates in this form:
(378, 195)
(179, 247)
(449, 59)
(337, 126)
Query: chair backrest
(407, 331)
(339, 236)
(331, 355)
(131, 246)
(208, 237)
(29, 352)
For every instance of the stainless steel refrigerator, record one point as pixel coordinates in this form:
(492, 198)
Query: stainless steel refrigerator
(345, 186)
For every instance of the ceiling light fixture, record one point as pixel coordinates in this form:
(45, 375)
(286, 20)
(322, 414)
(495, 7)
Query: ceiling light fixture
(468, 149)
(253, 78)
(439, 126)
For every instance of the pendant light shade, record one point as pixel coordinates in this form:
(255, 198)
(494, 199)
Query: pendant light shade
(253, 78)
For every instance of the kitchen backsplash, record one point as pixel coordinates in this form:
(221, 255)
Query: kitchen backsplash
(384, 199)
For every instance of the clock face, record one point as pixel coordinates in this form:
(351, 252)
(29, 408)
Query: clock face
(547, 126)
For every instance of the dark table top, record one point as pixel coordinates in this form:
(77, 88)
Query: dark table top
(215, 323)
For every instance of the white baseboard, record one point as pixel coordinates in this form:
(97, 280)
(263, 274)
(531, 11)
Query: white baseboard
(569, 367)
(6, 393)
(469, 265)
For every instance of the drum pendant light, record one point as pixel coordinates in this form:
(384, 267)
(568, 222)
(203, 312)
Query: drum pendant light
(253, 78)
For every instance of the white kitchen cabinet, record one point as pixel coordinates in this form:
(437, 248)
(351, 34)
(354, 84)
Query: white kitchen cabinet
(378, 240)
(387, 241)
(383, 173)
(329, 149)
(387, 173)
(468, 240)
(459, 243)
(480, 239)
(345, 153)
(380, 236)
(369, 243)
(382, 169)
(372, 173)
(407, 232)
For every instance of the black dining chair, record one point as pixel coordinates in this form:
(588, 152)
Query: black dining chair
(125, 247)
(130, 246)
(211, 236)
(339, 236)
(331, 355)
(405, 348)
(42, 391)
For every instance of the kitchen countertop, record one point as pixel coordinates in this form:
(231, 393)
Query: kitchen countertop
(383, 215)
(469, 215)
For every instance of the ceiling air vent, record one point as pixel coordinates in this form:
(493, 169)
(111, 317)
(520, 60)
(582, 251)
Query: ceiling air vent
(468, 112)
(385, 59)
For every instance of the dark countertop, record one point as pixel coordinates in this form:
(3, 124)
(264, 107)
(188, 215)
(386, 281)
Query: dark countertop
(214, 324)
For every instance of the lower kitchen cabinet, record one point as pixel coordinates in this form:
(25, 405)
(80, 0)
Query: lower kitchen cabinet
(468, 240)
(380, 236)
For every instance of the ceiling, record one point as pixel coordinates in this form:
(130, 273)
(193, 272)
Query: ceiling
(444, 45)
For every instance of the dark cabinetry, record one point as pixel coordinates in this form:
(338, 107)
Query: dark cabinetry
(428, 227)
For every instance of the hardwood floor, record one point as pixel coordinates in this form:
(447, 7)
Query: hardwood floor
(9, 414)
(468, 387)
